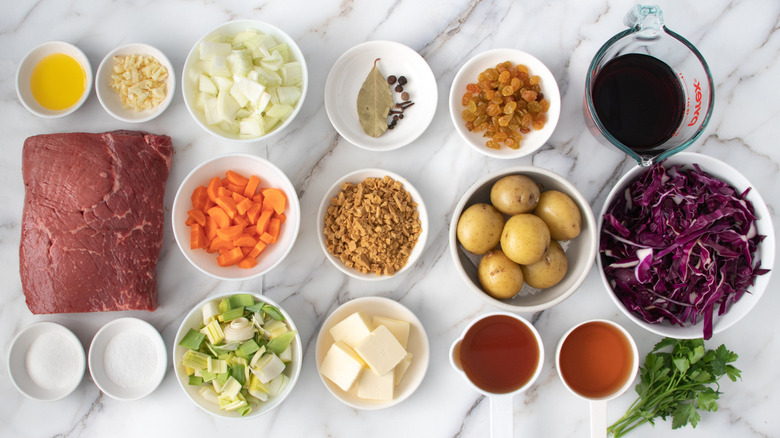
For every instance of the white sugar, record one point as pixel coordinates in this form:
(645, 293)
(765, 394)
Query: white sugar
(130, 359)
(53, 361)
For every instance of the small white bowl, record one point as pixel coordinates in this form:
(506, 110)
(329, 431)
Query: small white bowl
(70, 373)
(417, 345)
(467, 74)
(580, 251)
(347, 75)
(766, 249)
(122, 342)
(194, 320)
(110, 99)
(357, 177)
(270, 176)
(190, 85)
(28, 64)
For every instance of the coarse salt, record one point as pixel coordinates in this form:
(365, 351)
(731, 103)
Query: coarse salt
(53, 361)
(130, 359)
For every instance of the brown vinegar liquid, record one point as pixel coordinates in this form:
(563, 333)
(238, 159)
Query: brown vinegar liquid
(499, 354)
(639, 100)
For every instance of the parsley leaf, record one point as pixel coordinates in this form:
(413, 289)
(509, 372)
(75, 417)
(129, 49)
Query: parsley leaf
(677, 383)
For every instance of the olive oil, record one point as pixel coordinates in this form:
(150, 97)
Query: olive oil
(58, 81)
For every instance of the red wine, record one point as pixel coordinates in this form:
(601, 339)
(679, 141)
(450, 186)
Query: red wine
(639, 100)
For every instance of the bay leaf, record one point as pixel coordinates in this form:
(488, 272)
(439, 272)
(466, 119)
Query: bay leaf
(374, 102)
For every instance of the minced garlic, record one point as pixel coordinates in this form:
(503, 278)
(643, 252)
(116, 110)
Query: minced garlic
(140, 81)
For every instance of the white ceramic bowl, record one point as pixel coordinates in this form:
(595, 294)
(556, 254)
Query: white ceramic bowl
(766, 249)
(28, 64)
(347, 76)
(580, 251)
(417, 345)
(70, 372)
(194, 320)
(247, 165)
(357, 177)
(468, 74)
(110, 99)
(113, 348)
(190, 78)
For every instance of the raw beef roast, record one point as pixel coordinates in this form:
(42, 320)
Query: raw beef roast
(93, 220)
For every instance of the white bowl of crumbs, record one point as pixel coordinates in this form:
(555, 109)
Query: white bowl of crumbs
(398, 232)
(135, 83)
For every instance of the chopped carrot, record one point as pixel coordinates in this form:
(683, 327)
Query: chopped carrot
(260, 247)
(247, 262)
(251, 186)
(235, 218)
(230, 232)
(219, 216)
(236, 178)
(197, 237)
(244, 240)
(199, 198)
(231, 257)
(229, 205)
(274, 199)
(253, 213)
(197, 216)
(214, 184)
(262, 221)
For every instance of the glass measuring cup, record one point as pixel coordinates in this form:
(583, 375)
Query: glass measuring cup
(648, 91)
(597, 360)
(504, 370)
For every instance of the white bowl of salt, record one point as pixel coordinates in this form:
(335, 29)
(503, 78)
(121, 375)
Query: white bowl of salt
(46, 361)
(127, 359)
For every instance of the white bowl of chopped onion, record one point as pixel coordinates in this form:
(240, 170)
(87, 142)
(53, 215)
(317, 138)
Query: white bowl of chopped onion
(277, 323)
(245, 80)
(135, 83)
(385, 254)
(649, 266)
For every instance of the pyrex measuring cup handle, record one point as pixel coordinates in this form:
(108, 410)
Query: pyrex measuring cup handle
(598, 419)
(501, 416)
(647, 20)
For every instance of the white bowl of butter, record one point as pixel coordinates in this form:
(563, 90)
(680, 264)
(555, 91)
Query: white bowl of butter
(372, 353)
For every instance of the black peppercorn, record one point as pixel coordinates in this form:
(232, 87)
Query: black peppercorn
(402, 80)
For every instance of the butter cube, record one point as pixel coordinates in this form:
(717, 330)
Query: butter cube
(351, 330)
(374, 387)
(399, 329)
(381, 351)
(341, 365)
(401, 368)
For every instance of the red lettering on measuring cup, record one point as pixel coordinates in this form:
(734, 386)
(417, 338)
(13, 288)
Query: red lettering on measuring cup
(697, 96)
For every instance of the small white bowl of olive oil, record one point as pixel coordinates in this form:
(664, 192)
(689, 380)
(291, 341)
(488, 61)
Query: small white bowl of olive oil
(54, 79)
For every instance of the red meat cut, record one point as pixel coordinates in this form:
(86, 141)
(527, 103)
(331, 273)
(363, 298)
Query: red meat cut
(92, 224)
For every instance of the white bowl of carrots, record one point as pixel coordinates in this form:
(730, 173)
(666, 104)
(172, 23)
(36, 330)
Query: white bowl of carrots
(236, 216)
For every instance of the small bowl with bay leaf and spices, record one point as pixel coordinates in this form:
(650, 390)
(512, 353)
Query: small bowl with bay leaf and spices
(135, 83)
(372, 224)
(505, 103)
(380, 95)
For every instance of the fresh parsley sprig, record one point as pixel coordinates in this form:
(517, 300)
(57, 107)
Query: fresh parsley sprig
(677, 383)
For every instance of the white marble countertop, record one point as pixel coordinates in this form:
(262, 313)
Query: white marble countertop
(738, 39)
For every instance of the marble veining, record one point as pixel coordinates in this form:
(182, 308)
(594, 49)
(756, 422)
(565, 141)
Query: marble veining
(739, 39)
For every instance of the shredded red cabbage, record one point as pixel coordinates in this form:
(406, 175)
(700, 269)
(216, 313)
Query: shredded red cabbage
(678, 243)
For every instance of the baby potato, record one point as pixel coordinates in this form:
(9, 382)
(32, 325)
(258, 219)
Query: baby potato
(500, 277)
(560, 213)
(548, 271)
(479, 228)
(514, 194)
(525, 238)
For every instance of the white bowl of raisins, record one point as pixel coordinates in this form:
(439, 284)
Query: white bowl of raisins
(505, 103)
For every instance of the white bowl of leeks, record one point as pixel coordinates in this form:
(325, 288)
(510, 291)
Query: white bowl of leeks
(194, 320)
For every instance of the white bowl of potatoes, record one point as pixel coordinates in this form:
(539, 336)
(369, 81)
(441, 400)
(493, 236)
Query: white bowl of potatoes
(523, 238)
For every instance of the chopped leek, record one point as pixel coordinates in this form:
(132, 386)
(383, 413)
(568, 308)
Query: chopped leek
(239, 371)
(192, 340)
